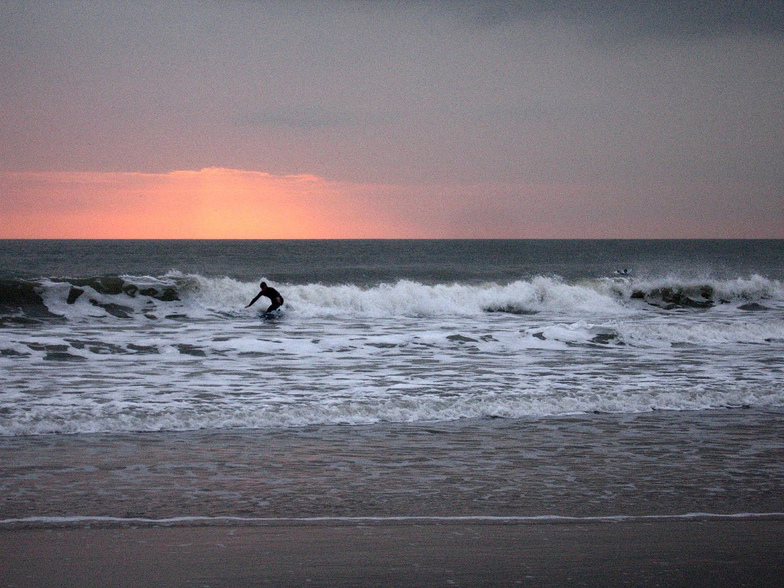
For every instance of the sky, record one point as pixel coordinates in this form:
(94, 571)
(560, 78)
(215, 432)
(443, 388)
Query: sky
(391, 119)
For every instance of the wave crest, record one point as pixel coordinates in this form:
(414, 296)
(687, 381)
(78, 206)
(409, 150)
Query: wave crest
(193, 295)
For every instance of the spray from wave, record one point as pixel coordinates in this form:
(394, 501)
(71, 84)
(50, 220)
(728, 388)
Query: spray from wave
(192, 295)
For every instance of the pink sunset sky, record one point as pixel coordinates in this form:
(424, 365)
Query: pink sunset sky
(365, 119)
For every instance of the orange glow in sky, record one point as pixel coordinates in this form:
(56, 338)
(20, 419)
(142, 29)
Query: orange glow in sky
(212, 203)
(219, 203)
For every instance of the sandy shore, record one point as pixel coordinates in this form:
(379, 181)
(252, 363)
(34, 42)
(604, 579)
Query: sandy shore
(726, 552)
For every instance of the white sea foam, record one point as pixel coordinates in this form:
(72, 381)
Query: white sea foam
(195, 296)
(78, 520)
(182, 352)
(407, 298)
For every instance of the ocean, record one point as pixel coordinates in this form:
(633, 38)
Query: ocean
(508, 379)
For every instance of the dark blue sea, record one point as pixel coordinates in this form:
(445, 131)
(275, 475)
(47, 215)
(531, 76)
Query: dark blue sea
(510, 379)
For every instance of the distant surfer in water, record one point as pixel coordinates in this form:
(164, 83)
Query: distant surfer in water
(272, 294)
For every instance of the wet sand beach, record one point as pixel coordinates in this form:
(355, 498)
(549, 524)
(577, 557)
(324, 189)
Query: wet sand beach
(693, 553)
(659, 499)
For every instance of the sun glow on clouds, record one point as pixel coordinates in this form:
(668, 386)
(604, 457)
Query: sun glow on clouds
(219, 203)
(212, 203)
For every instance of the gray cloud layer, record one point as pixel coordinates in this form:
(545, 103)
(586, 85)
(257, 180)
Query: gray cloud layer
(399, 91)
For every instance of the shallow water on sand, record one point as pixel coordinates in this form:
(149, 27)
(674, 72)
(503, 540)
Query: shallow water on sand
(667, 463)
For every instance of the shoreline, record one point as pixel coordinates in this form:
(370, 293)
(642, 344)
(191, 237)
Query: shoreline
(695, 552)
(109, 522)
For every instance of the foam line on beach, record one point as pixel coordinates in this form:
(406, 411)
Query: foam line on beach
(174, 521)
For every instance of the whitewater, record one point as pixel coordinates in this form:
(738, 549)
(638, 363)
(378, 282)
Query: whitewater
(179, 351)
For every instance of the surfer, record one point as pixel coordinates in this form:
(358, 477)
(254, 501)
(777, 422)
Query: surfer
(272, 294)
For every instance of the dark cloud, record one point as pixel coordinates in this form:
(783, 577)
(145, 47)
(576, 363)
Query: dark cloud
(628, 19)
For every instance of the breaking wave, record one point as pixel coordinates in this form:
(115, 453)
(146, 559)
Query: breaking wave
(178, 295)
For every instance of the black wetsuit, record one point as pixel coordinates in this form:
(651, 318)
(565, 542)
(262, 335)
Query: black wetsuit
(274, 296)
